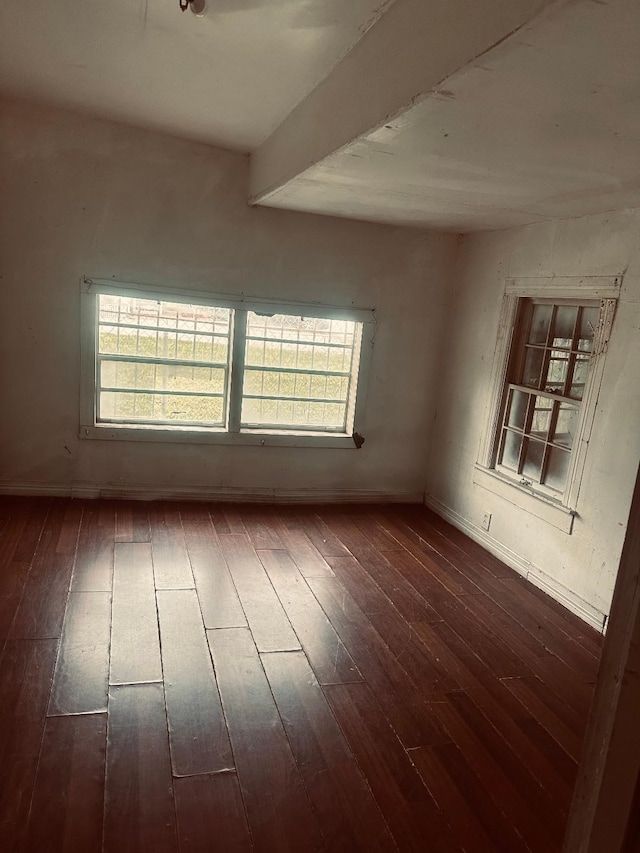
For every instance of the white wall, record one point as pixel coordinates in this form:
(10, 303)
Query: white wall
(580, 568)
(90, 197)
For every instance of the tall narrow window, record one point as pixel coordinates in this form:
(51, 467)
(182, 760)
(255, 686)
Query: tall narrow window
(548, 374)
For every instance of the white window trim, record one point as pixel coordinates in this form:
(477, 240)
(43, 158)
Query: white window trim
(90, 429)
(560, 513)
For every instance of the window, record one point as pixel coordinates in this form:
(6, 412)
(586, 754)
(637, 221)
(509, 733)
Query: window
(548, 368)
(156, 363)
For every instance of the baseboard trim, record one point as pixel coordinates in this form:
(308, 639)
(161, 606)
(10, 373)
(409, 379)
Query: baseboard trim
(226, 494)
(562, 594)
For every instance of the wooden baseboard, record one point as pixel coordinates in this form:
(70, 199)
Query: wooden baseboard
(239, 494)
(591, 615)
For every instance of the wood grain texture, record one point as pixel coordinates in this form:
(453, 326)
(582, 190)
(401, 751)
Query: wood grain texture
(171, 567)
(211, 814)
(348, 815)
(135, 645)
(217, 594)
(403, 704)
(409, 809)
(269, 625)
(132, 522)
(280, 814)
(67, 806)
(139, 813)
(329, 659)
(81, 681)
(420, 695)
(18, 543)
(41, 610)
(26, 673)
(197, 731)
(93, 567)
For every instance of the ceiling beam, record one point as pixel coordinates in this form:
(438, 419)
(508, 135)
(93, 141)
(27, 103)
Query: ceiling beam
(406, 55)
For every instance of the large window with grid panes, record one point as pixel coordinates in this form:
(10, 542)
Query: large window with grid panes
(547, 400)
(170, 362)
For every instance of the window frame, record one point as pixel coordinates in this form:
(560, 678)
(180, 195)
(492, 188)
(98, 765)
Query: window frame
(232, 432)
(557, 508)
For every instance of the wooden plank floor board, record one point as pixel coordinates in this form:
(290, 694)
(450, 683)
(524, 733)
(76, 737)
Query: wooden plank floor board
(533, 758)
(372, 571)
(132, 522)
(26, 673)
(329, 659)
(496, 823)
(451, 801)
(403, 704)
(269, 625)
(261, 525)
(217, 594)
(41, 610)
(211, 815)
(93, 567)
(486, 765)
(516, 770)
(67, 805)
(17, 548)
(81, 681)
(171, 567)
(348, 815)
(545, 710)
(135, 645)
(405, 802)
(280, 814)
(197, 731)
(305, 555)
(139, 811)
(368, 679)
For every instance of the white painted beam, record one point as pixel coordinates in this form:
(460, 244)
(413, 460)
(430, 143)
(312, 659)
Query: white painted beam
(407, 54)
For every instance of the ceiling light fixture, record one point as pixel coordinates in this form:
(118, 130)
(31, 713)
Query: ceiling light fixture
(198, 7)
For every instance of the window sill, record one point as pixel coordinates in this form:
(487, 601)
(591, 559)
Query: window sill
(188, 435)
(543, 507)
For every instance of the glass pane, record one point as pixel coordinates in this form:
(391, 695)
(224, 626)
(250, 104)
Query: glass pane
(557, 469)
(308, 385)
(566, 425)
(313, 330)
(510, 453)
(543, 407)
(287, 413)
(540, 324)
(588, 325)
(152, 329)
(564, 324)
(557, 370)
(580, 369)
(517, 410)
(135, 406)
(532, 367)
(165, 377)
(533, 459)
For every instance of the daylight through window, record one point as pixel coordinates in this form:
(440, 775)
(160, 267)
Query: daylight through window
(549, 371)
(179, 365)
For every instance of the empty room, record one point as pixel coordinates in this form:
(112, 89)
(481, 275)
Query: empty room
(320, 397)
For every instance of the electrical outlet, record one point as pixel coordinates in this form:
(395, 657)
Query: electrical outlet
(486, 521)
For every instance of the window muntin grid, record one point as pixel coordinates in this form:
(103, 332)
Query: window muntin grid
(298, 371)
(542, 407)
(161, 362)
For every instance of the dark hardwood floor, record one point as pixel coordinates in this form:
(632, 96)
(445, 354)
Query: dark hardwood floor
(206, 677)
